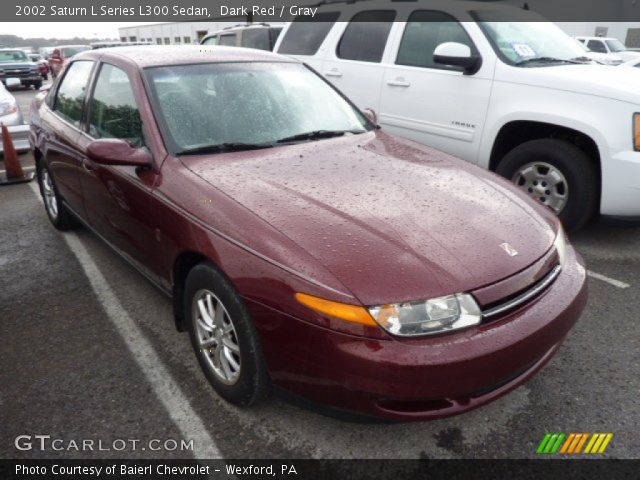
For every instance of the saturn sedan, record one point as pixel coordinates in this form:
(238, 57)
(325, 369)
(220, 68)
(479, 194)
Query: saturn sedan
(302, 247)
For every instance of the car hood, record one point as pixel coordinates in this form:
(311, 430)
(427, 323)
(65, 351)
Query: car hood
(590, 79)
(9, 66)
(391, 220)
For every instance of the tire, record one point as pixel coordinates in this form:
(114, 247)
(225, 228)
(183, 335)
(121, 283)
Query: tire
(251, 381)
(37, 85)
(542, 160)
(59, 216)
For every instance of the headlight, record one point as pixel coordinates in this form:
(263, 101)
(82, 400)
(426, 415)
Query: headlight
(561, 245)
(7, 108)
(438, 315)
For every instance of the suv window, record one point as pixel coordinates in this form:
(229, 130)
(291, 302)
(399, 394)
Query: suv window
(228, 40)
(305, 38)
(256, 38)
(366, 36)
(72, 91)
(424, 32)
(114, 113)
(596, 46)
(208, 41)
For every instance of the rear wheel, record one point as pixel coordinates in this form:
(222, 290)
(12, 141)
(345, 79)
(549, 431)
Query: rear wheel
(559, 175)
(223, 337)
(37, 85)
(58, 214)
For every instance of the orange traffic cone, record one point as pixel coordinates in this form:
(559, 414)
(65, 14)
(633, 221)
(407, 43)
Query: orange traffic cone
(13, 170)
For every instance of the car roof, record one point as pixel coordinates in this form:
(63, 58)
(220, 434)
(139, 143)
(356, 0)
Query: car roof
(159, 55)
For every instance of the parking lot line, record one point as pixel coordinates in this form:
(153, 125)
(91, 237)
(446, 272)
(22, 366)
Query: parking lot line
(167, 391)
(609, 280)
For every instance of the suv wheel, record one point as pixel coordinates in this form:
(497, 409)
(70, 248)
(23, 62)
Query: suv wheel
(559, 175)
(223, 337)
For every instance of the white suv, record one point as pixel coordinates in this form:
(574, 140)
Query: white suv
(516, 97)
(608, 45)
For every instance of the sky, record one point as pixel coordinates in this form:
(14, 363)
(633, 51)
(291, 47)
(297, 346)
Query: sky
(65, 29)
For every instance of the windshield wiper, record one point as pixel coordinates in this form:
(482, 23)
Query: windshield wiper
(224, 147)
(317, 134)
(547, 60)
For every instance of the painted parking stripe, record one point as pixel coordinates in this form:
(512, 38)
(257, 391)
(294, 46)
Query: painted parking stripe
(168, 392)
(609, 280)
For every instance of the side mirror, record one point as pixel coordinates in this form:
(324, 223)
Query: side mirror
(12, 82)
(45, 88)
(371, 114)
(457, 55)
(113, 151)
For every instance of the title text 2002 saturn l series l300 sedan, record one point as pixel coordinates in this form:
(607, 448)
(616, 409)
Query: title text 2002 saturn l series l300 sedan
(303, 247)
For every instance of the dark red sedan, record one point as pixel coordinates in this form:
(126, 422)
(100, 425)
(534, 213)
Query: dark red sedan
(303, 247)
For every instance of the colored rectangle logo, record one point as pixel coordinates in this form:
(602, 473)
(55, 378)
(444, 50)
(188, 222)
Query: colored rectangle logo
(574, 443)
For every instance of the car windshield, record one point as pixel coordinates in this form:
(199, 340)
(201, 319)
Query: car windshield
(10, 56)
(615, 45)
(71, 51)
(528, 43)
(233, 106)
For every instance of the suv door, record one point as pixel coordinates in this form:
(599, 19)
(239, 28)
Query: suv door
(355, 66)
(435, 104)
(118, 198)
(63, 120)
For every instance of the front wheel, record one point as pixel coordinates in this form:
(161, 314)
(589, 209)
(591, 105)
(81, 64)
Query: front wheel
(223, 337)
(559, 175)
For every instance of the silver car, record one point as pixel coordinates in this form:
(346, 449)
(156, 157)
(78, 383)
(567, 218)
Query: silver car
(10, 113)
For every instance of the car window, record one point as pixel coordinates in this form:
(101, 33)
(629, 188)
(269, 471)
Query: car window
(228, 40)
(615, 45)
(256, 38)
(305, 38)
(70, 96)
(596, 46)
(366, 36)
(274, 33)
(424, 32)
(210, 41)
(13, 56)
(114, 113)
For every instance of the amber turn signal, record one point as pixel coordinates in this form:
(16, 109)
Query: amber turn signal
(636, 132)
(343, 311)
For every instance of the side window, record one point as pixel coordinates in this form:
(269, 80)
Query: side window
(274, 33)
(596, 46)
(366, 36)
(69, 101)
(228, 40)
(305, 38)
(256, 38)
(424, 31)
(114, 113)
(209, 41)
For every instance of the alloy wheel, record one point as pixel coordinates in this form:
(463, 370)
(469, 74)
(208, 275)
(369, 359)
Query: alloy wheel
(216, 336)
(49, 194)
(544, 182)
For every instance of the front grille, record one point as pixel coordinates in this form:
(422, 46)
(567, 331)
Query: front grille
(16, 72)
(523, 297)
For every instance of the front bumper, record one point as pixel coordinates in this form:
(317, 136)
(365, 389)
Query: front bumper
(621, 185)
(426, 378)
(12, 119)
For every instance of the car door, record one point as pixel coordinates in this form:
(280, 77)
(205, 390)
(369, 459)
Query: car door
(435, 104)
(62, 119)
(118, 198)
(355, 65)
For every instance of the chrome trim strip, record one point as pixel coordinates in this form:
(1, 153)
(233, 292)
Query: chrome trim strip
(526, 296)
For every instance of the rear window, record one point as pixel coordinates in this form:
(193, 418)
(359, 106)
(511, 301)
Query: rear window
(228, 40)
(256, 38)
(366, 36)
(305, 38)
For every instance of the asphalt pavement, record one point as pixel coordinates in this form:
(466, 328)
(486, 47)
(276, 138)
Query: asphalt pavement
(89, 351)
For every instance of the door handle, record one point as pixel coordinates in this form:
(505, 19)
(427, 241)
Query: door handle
(398, 82)
(333, 73)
